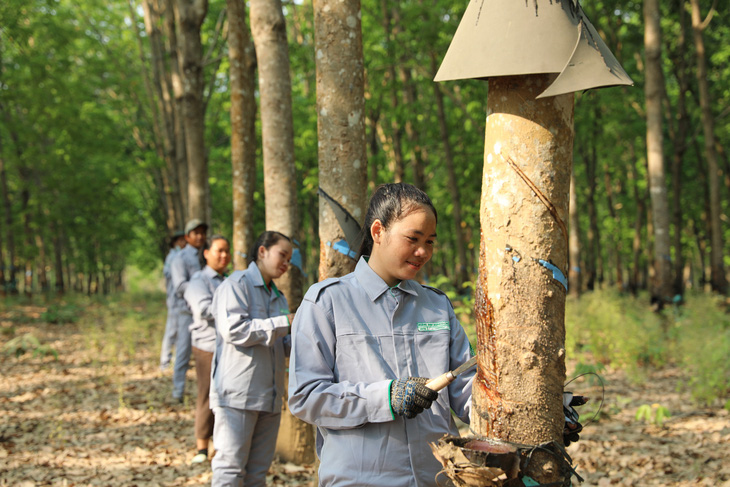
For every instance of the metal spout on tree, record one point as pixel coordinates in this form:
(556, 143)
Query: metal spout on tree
(534, 54)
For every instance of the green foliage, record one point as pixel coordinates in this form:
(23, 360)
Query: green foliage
(116, 326)
(61, 313)
(28, 343)
(655, 414)
(615, 329)
(610, 328)
(704, 347)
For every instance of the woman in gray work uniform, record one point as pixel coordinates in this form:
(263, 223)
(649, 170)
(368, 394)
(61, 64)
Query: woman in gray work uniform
(252, 339)
(199, 296)
(363, 346)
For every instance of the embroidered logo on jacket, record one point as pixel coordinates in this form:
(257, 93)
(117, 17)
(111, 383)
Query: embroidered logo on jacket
(441, 325)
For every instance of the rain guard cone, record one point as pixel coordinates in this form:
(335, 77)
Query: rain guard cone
(522, 37)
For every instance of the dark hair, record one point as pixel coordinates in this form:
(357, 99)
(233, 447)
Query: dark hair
(206, 246)
(267, 239)
(390, 203)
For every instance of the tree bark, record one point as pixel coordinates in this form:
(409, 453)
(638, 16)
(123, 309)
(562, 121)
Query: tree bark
(419, 157)
(163, 114)
(272, 54)
(277, 131)
(461, 271)
(27, 232)
(634, 276)
(717, 276)
(189, 16)
(392, 28)
(178, 93)
(11, 280)
(593, 236)
(574, 274)
(243, 130)
(520, 306)
(679, 138)
(340, 125)
(58, 257)
(616, 234)
(654, 91)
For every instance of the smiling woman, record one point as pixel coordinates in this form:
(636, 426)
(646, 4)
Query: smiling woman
(365, 344)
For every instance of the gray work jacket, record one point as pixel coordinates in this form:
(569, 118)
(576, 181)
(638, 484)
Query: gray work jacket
(352, 336)
(183, 266)
(170, 301)
(251, 343)
(199, 296)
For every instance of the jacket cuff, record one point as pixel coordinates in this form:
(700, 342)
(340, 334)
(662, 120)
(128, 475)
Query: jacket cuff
(377, 395)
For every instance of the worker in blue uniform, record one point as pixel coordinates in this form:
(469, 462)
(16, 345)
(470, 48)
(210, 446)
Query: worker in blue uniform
(252, 341)
(183, 266)
(364, 345)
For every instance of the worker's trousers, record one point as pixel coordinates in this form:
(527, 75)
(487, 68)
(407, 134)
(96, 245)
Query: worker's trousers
(183, 347)
(168, 340)
(245, 442)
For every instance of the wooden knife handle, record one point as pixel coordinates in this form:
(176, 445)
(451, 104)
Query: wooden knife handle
(441, 381)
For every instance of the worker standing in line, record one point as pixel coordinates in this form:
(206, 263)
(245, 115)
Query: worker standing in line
(364, 345)
(253, 324)
(199, 296)
(183, 266)
(177, 242)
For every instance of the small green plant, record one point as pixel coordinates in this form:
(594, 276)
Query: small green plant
(655, 414)
(61, 313)
(28, 343)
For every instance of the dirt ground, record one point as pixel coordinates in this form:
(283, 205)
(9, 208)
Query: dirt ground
(81, 421)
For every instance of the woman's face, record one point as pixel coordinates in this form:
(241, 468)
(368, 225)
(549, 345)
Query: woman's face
(274, 261)
(401, 250)
(218, 256)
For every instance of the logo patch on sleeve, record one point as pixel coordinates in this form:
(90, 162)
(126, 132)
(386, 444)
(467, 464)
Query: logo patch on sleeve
(440, 325)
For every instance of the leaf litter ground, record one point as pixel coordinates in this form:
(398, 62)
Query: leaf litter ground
(81, 421)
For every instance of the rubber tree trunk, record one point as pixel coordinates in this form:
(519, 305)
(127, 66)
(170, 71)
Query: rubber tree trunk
(520, 306)
(340, 124)
(189, 16)
(243, 130)
(574, 274)
(342, 152)
(719, 281)
(661, 288)
(461, 272)
(679, 138)
(295, 442)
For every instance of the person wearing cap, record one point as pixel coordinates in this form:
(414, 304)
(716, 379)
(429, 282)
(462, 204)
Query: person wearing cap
(177, 242)
(183, 266)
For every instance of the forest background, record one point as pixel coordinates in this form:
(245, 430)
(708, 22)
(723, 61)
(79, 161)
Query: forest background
(89, 186)
(95, 174)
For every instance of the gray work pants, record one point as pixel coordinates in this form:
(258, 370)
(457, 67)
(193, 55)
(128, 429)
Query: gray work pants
(183, 347)
(245, 442)
(168, 340)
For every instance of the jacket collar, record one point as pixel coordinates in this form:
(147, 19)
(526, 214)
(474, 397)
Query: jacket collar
(374, 285)
(258, 279)
(210, 273)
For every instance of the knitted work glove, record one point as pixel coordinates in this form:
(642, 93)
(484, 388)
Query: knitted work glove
(572, 426)
(410, 396)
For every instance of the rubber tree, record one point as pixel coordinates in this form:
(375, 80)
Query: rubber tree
(522, 286)
(268, 27)
(661, 287)
(342, 159)
(189, 16)
(719, 280)
(243, 130)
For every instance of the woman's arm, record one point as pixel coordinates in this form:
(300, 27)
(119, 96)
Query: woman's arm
(234, 323)
(314, 395)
